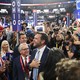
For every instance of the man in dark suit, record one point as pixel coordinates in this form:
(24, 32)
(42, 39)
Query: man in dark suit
(22, 39)
(20, 63)
(40, 41)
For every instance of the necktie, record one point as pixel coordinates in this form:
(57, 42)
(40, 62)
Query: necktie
(37, 55)
(35, 70)
(26, 68)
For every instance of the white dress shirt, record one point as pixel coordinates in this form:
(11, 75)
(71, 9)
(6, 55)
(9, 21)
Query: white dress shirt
(41, 52)
(27, 59)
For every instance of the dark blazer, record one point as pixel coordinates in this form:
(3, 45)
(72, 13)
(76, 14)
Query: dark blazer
(43, 60)
(18, 73)
(16, 52)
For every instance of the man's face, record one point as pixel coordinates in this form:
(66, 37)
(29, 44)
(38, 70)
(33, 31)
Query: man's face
(25, 50)
(37, 40)
(23, 38)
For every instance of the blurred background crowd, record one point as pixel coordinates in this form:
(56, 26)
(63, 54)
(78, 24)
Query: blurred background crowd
(56, 36)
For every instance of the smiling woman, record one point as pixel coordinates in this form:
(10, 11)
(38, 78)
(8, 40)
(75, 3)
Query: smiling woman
(5, 48)
(7, 56)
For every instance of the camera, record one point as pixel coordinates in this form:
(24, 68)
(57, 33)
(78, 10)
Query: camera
(39, 28)
(51, 32)
(55, 29)
(66, 43)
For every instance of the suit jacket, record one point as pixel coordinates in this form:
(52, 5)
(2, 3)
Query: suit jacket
(18, 73)
(43, 60)
(16, 52)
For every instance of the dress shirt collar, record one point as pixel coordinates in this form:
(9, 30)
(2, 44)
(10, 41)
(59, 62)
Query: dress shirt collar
(23, 58)
(42, 49)
(41, 52)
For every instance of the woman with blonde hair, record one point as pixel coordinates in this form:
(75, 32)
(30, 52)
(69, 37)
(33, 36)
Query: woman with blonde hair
(6, 55)
(5, 48)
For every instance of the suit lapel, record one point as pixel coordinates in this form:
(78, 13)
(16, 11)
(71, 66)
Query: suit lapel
(44, 55)
(20, 65)
(43, 59)
(33, 54)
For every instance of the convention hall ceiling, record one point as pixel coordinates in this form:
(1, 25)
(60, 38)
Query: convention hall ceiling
(36, 1)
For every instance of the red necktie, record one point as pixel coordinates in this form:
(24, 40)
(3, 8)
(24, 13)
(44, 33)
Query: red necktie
(26, 67)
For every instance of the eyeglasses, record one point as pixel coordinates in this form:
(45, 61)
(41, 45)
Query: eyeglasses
(25, 49)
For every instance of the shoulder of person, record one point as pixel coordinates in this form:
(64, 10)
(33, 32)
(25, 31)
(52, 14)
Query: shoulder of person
(48, 47)
(11, 51)
(40, 77)
(16, 60)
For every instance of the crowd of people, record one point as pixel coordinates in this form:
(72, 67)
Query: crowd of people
(49, 55)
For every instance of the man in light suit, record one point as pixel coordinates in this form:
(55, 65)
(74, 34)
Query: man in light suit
(20, 65)
(40, 41)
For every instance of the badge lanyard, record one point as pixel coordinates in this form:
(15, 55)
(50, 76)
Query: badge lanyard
(23, 66)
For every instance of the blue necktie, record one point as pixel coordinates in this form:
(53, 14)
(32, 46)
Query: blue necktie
(35, 70)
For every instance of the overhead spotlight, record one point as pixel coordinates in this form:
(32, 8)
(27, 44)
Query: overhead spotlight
(3, 11)
(22, 11)
(46, 10)
(62, 10)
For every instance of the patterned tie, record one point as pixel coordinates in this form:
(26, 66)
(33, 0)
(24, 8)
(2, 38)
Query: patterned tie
(35, 70)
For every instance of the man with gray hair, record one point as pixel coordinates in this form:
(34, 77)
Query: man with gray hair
(20, 63)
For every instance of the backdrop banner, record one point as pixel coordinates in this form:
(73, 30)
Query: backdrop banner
(16, 11)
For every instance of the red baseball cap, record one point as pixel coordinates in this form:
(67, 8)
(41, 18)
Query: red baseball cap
(1, 28)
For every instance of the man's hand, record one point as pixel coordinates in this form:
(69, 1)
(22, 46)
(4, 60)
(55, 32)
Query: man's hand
(35, 64)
